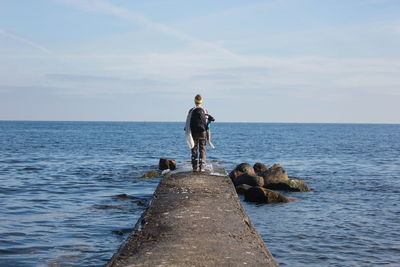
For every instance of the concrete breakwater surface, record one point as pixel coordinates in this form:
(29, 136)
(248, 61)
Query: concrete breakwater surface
(194, 219)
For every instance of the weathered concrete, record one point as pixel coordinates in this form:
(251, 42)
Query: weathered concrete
(194, 219)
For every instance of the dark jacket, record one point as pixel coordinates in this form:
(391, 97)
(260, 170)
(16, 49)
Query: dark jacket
(198, 121)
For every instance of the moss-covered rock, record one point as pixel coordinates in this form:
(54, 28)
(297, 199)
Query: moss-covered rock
(151, 174)
(275, 174)
(294, 185)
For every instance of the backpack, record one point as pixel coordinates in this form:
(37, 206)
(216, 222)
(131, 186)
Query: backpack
(198, 122)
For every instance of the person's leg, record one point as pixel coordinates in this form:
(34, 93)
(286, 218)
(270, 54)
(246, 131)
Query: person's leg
(202, 148)
(195, 154)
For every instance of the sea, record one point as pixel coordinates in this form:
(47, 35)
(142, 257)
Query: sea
(71, 192)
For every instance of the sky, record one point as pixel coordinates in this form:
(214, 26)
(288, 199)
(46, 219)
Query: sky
(306, 61)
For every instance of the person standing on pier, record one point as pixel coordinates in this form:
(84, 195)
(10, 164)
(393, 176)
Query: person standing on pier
(197, 133)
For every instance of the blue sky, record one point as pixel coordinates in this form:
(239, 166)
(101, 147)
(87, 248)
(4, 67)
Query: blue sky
(253, 61)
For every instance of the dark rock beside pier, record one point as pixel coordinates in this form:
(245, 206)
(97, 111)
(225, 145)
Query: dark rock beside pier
(248, 179)
(166, 164)
(274, 174)
(240, 189)
(260, 168)
(245, 174)
(245, 168)
(293, 185)
(262, 195)
(251, 181)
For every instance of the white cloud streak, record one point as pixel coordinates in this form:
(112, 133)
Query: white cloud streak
(104, 7)
(26, 42)
(32, 44)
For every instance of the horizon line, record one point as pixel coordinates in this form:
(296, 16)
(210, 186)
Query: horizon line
(250, 122)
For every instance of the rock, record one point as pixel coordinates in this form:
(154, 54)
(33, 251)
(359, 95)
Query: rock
(240, 189)
(263, 195)
(234, 174)
(276, 165)
(165, 164)
(259, 168)
(276, 178)
(245, 168)
(294, 185)
(248, 179)
(151, 174)
(275, 174)
(122, 196)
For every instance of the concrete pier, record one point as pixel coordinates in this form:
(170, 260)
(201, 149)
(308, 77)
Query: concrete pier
(194, 219)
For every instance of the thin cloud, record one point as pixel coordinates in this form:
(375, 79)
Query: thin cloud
(215, 76)
(32, 44)
(26, 41)
(103, 80)
(104, 7)
(80, 78)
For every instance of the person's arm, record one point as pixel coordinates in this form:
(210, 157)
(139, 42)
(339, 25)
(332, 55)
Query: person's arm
(210, 118)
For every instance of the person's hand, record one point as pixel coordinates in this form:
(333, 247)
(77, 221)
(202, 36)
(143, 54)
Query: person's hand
(211, 118)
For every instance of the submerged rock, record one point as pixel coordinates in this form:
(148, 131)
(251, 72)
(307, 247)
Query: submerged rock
(165, 164)
(262, 195)
(294, 185)
(122, 196)
(151, 174)
(248, 179)
(240, 189)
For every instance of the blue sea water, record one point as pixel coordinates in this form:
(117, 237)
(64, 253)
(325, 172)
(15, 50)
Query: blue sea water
(71, 192)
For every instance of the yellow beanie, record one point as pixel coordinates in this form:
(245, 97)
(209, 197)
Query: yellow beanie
(198, 99)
